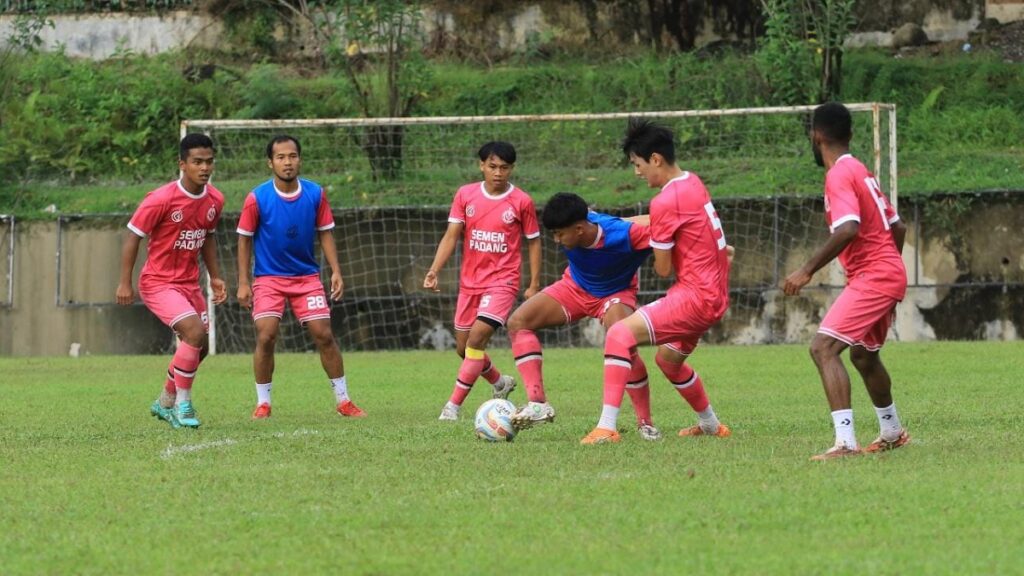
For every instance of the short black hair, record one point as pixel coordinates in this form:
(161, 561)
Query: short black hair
(644, 138)
(502, 150)
(194, 140)
(833, 121)
(563, 210)
(282, 138)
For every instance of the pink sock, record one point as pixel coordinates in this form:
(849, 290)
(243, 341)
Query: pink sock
(169, 386)
(530, 363)
(619, 347)
(469, 371)
(490, 371)
(687, 383)
(639, 392)
(185, 362)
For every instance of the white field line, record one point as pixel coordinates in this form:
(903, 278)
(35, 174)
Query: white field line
(172, 450)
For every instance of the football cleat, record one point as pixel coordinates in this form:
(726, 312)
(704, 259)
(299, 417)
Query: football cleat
(160, 412)
(531, 414)
(262, 411)
(348, 408)
(838, 451)
(449, 412)
(601, 436)
(504, 386)
(648, 431)
(882, 445)
(184, 415)
(695, 430)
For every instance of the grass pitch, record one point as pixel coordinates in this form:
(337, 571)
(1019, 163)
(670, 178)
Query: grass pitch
(91, 484)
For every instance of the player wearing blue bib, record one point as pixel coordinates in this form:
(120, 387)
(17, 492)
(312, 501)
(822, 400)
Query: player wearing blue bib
(604, 254)
(281, 220)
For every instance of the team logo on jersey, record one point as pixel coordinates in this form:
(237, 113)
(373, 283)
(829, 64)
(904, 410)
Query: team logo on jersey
(470, 210)
(177, 216)
(211, 213)
(508, 216)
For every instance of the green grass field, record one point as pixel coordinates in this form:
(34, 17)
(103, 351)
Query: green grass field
(91, 484)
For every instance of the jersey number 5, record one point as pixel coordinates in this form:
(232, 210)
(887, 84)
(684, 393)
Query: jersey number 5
(716, 224)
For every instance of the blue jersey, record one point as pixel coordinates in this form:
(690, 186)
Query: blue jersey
(611, 266)
(284, 228)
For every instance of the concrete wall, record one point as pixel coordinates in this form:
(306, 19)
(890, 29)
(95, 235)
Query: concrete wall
(964, 255)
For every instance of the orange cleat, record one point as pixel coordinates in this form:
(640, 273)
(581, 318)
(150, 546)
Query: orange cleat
(262, 411)
(882, 445)
(601, 436)
(834, 452)
(348, 408)
(696, 430)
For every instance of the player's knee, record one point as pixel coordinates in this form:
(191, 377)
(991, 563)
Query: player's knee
(323, 338)
(862, 359)
(620, 333)
(266, 339)
(516, 323)
(821, 349)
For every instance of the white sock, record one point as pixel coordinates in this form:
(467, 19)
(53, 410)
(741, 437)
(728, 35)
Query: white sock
(843, 421)
(263, 393)
(340, 386)
(452, 406)
(889, 422)
(708, 420)
(183, 395)
(609, 417)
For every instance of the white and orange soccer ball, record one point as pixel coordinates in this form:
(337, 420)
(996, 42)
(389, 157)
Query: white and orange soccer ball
(494, 421)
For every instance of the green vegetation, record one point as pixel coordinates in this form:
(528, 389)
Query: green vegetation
(113, 125)
(91, 484)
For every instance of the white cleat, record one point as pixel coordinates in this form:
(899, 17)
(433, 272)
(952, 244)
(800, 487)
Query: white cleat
(449, 412)
(531, 414)
(504, 386)
(649, 432)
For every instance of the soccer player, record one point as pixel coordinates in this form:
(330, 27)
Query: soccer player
(604, 253)
(688, 241)
(491, 217)
(179, 220)
(280, 221)
(867, 236)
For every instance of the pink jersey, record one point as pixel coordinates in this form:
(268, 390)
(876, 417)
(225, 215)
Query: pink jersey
(684, 220)
(853, 194)
(494, 226)
(176, 223)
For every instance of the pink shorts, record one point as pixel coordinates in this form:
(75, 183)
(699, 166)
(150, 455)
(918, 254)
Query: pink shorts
(677, 320)
(494, 304)
(172, 303)
(860, 317)
(577, 303)
(305, 294)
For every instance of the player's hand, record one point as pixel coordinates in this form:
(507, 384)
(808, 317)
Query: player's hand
(430, 281)
(730, 253)
(125, 295)
(337, 286)
(220, 290)
(244, 295)
(796, 281)
(530, 291)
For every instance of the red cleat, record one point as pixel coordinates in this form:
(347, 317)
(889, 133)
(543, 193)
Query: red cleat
(601, 436)
(696, 430)
(834, 452)
(262, 411)
(347, 408)
(882, 445)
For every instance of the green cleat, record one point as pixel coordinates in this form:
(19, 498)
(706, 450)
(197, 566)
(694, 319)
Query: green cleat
(184, 415)
(165, 414)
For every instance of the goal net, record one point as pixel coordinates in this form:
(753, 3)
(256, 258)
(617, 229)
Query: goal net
(391, 180)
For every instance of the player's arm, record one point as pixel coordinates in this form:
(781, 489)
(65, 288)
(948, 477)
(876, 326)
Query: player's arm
(533, 248)
(641, 219)
(244, 258)
(331, 255)
(899, 234)
(209, 255)
(445, 249)
(843, 235)
(129, 253)
(663, 263)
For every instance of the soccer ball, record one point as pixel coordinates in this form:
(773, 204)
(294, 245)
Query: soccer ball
(494, 421)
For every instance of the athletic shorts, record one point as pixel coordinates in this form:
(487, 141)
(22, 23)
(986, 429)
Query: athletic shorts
(305, 294)
(577, 303)
(860, 317)
(495, 304)
(677, 320)
(172, 302)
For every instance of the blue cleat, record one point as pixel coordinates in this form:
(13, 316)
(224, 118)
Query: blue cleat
(165, 414)
(184, 415)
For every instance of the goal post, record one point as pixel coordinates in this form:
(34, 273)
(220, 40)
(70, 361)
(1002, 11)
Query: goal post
(390, 182)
